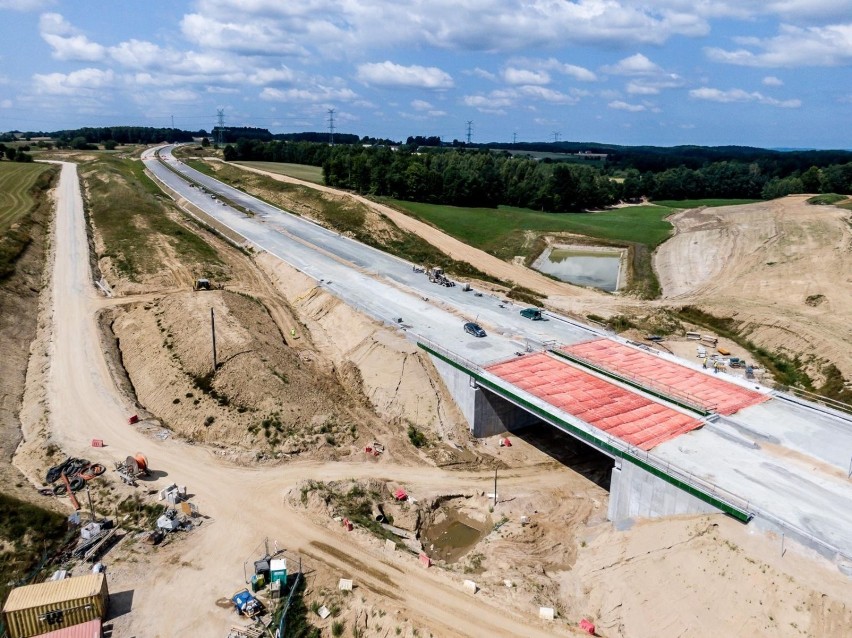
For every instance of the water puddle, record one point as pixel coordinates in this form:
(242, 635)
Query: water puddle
(598, 267)
(453, 536)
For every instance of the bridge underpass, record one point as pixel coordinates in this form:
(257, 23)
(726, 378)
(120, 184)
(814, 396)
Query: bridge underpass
(640, 485)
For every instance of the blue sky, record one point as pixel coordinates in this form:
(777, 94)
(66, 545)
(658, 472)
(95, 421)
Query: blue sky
(753, 72)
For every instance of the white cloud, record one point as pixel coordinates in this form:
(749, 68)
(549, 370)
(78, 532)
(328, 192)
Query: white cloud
(635, 65)
(579, 73)
(525, 76)
(547, 95)
(248, 35)
(482, 73)
(421, 105)
(620, 105)
(829, 45)
(24, 5)
(771, 80)
(653, 86)
(83, 82)
(308, 94)
(6, 104)
(395, 75)
(739, 95)
(178, 95)
(66, 41)
(281, 75)
(335, 27)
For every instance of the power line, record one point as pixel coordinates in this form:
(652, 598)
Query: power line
(220, 133)
(469, 130)
(331, 126)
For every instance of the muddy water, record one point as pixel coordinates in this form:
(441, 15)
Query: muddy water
(598, 268)
(453, 536)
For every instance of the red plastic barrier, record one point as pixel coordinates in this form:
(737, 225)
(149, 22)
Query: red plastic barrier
(587, 626)
(97, 442)
(133, 419)
(427, 562)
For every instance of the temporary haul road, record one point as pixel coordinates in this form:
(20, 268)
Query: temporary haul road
(244, 504)
(788, 460)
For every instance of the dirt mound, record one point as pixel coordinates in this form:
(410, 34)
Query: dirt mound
(779, 268)
(263, 394)
(399, 382)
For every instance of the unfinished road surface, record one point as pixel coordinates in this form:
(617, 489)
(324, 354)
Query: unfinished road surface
(244, 505)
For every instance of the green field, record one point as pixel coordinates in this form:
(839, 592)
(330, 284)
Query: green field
(499, 230)
(710, 203)
(299, 171)
(827, 199)
(16, 182)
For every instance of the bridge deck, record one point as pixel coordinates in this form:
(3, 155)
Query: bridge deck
(675, 380)
(619, 412)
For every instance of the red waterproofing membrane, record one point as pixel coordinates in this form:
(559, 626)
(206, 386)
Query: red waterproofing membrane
(608, 407)
(657, 374)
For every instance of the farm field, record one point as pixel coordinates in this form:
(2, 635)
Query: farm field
(299, 171)
(16, 180)
(491, 229)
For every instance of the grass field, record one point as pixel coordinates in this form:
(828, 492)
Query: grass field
(16, 183)
(500, 230)
(299, 171)
(710, 203)
(827, 199)
(131, 212)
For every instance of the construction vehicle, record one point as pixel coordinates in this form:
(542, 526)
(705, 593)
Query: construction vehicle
(437, 276)
(201, 284)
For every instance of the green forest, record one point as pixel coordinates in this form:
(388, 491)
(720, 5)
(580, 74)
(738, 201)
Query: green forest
(490, 178)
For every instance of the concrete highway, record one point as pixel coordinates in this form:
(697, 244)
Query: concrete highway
(789, 461)
(384, 287)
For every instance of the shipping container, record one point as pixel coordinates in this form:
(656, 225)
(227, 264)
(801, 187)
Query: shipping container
(33, 610)
(91, 629)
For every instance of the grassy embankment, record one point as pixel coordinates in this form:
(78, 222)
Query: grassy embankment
(504, 231)
(22, 188)
(28, 536)
(786, 371)
(134, 217)
(299, 171)
(343, 215)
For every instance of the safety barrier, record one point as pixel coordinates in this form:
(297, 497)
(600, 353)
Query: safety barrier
(717, 497)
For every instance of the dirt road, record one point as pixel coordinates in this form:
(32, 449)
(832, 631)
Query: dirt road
(244, 504)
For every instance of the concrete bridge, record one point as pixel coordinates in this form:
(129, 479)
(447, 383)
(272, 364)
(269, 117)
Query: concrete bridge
(704, 444)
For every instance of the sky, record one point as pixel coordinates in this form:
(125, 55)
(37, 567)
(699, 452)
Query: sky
(769, 73)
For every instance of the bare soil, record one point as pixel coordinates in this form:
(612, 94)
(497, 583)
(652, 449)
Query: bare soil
(701, 576)
(779, 268)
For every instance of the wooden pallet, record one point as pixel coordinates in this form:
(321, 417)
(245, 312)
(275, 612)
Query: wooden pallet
(246, 632)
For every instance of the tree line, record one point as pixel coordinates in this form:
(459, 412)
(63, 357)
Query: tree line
(476, 177)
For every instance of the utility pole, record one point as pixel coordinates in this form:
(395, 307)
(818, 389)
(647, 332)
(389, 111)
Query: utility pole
(469, 130)
(331, 126)
(213, 332)
(173, 121)
(495, 487)
(220, 132)
(515, 137)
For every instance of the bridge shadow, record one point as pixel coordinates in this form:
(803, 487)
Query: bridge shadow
(568, 451)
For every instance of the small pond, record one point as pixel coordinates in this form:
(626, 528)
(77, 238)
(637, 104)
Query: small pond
(595, 267)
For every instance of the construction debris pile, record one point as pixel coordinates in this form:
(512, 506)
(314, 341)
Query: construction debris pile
(73, 474)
